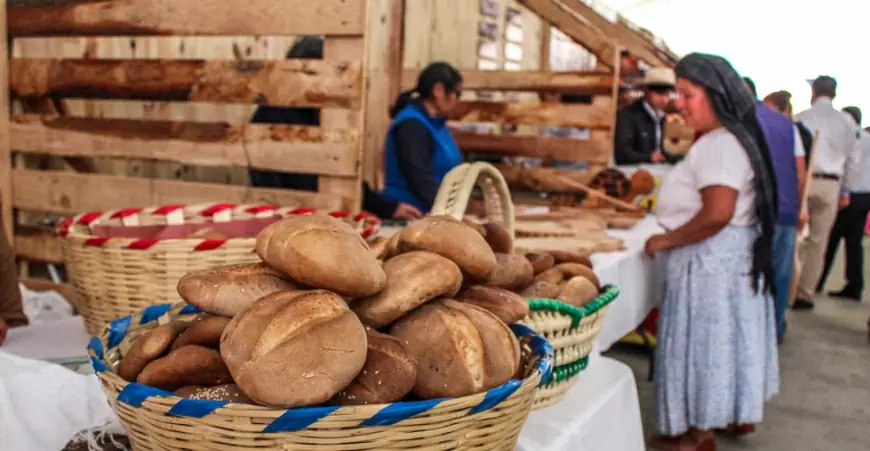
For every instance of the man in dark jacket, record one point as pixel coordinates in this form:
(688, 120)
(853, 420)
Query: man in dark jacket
(639, 126)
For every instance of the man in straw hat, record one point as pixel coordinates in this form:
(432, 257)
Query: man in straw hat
(639, 125)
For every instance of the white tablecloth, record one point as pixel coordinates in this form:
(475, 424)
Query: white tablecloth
(600, 413)
(57, 340)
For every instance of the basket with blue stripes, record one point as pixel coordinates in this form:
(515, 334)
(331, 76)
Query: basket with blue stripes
(158, 420)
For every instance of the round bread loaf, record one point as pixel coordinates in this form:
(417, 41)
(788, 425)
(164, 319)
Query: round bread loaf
(540, 261)
(228, 290)
(506, 305)
(226, 392)
(453, 240)
(552, 275)
(205, 331)
(149, 347)
(570, 257)
(378, 246)
(541, 289)
(322, 252)
(413, 278)
(391, 247)
(190, 365)
(499, 239)
(476, 226)
(294, 349)
(388, 375)
(461, 349)
(578, 291)
(512, 272)
(570, 270)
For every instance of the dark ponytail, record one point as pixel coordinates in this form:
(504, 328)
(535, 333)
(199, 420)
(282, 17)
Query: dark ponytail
(435, 73)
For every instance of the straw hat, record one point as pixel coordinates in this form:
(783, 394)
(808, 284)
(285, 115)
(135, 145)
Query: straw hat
(660, 76)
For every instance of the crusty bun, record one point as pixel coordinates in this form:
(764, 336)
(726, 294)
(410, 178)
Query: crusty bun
(388, 375)
(498, 237)
(225, 392)
(570, 257)
(205, 331)
(294, 349)
(506, 305)
(578, 291)
(149, 347)
(228, 290)
(540, 261)
(451, 239)
(570, 270)
(190, 365)
(322, 252)
(512, 272)
(541, 289)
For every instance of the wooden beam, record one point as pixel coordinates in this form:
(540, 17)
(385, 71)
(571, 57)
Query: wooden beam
(556, 14)
(560, 114)
(283, 148)
(39, 244)
(72, 193)
(286, 83)
(66, 290)
(497, 80)
(189, 17)
(596, 150)
(644, 35)
(5, 152)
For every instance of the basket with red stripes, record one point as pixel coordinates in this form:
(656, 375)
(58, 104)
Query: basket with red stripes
(122, 261)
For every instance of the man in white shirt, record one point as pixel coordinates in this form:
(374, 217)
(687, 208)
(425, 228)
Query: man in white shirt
(836, 148)
(851, 220)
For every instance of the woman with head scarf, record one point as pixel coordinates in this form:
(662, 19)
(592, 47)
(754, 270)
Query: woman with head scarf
(717, 362)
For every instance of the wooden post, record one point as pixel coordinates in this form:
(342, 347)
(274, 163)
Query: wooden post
(5, 151)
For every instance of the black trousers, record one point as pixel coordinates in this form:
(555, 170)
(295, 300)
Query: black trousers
(849, 225)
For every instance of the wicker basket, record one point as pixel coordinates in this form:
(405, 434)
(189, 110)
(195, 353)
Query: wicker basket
(571, 330)
(122, 261)
(158, 420)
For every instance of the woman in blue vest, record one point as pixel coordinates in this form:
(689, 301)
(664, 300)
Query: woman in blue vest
(420, 150)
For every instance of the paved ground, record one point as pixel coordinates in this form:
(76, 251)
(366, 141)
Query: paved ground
(824, 402)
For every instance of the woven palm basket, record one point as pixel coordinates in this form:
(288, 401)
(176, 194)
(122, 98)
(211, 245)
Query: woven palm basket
(159, 420)
(121, 261)
(571, 330)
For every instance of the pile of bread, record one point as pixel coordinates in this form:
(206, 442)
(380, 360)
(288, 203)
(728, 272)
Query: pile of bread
(328, 318)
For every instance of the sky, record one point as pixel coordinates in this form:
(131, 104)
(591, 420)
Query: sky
(778, 43)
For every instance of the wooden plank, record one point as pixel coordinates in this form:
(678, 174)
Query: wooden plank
(189, 17)
(575, 82)
(286, 83)
(556, 14)
(596, 150)
(37, 244)
(284, 148)
(71, 193)
(559, 114)
(5, 153)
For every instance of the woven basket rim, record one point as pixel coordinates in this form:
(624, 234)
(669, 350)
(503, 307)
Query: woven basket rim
(135, 394)
(608, 294)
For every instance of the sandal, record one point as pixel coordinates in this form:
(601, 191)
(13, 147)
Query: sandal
(685, 442)
(737, 430)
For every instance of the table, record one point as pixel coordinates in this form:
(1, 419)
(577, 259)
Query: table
(56, 341)
(601, 412)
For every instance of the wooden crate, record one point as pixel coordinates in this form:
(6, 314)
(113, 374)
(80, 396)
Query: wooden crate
(153, 101)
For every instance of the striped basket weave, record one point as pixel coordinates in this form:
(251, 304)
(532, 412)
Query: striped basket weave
(571, 330)
(120, 275)
(158, 420)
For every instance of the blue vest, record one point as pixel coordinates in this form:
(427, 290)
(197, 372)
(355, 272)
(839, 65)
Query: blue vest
(445, 157)
(779, 134)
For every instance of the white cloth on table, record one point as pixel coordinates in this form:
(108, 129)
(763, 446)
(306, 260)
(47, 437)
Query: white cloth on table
(44, 306)
(600, 413)
(57, 340)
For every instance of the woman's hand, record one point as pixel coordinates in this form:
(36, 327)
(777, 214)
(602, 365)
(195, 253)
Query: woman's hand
(407, 212)
(655, 244)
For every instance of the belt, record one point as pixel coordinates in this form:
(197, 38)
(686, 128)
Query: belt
(833, 177)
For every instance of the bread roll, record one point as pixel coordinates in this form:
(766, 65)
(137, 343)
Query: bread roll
(388, 375)
(460, 349)
(506, 305)
(476, 226)
(578, 291)
(570, 270)
(540, 261)
(322, 252)
(571, 257)
(413, 278)
(453, 240)
(228, 290)
(226, 392)
(148, 348)
(294, 349)
(553, 275)
(391, 247)
(541, 289)
(378, 246)
(204, 332)
(499, 239)
(512, 272)
(190, 365)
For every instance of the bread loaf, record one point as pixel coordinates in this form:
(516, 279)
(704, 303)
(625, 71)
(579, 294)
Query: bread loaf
(540, 261)
(453, 240)
(553, 275)
(476, 226)
(226, 392)
(206, 331)
(294, 349)
(578, 291)
(322, 252)
(412, 279)
(460, 349)
(190, 365)
(148, 348)
(541, 289)
(228, 290)
(512, 272)
(506, 305)
(388, 375)
(378, 246)
(499, 239)
(570, 270)
(570, 257)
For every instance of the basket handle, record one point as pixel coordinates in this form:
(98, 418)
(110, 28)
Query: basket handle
(457, 186)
